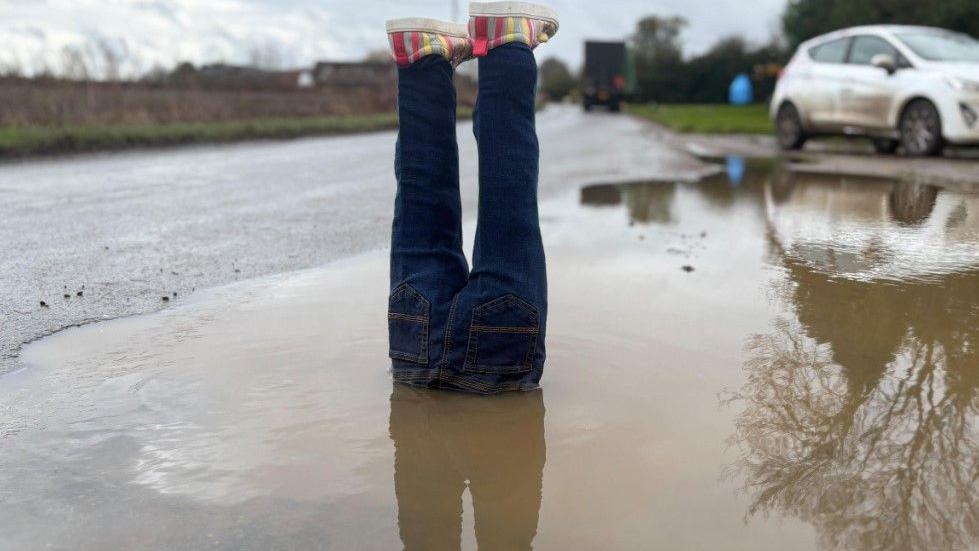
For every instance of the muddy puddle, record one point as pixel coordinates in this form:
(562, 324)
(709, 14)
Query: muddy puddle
(760, 360)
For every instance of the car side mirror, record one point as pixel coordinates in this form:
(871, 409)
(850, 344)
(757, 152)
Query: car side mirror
(885, 62)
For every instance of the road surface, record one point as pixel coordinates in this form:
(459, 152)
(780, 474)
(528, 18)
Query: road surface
(104, 236)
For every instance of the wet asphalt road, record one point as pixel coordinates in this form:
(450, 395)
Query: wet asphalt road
(105, 236)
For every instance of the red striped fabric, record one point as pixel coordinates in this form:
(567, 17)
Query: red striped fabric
(481, 46)
(399, 48)
(525, 30)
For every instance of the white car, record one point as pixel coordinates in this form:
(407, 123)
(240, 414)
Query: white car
(913, 87)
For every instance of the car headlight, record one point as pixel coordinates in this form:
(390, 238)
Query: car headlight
(962, 85)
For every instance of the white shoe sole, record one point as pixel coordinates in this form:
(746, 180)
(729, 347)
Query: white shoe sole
(421, 24)
(513, 9)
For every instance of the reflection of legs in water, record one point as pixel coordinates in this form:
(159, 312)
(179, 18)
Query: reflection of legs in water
(427, 483)
(443, 440)
(505, 473)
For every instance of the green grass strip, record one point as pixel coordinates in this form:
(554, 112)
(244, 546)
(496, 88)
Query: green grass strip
(25, 141)
(708, 119)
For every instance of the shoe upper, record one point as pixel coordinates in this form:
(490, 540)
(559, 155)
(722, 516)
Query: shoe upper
(491, 24)
(414, 38)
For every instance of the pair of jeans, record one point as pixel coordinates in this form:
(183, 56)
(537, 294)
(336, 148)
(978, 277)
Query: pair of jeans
(480, 330)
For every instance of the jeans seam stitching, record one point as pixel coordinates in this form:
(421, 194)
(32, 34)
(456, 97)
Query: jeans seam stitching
(447, 343)
(492, 329)
(422, 357)
(406, 317)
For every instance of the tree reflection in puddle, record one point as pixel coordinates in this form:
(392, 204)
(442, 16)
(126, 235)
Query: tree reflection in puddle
(860, 410)
(648, 202)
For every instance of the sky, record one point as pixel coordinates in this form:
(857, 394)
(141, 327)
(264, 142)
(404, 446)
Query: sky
(35, 34)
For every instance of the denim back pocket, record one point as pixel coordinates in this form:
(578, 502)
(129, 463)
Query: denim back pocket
(502, 337)
(408, 319)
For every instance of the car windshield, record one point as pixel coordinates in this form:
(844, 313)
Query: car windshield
(938, 46)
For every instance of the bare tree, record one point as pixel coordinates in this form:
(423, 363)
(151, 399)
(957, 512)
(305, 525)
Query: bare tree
(157, 75)
(111, 59)
(12, 68)
(74, 64)
(267, 55)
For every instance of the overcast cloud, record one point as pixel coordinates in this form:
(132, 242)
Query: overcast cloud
(145, 33)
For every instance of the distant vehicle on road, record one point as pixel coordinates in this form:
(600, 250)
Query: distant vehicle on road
(901, 86)
(608, 76)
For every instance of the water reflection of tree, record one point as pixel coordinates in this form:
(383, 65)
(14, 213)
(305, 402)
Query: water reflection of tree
(721, 193)
(651, 203)
(654, 202)
(648, 202)
(859, 416)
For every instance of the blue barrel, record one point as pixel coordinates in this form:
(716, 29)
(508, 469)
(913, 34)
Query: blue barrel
(741, 91)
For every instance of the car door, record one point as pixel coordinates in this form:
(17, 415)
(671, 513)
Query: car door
(869, 92)
(819, 100)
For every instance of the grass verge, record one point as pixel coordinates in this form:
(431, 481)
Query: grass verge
(708, 119)
(27, 141)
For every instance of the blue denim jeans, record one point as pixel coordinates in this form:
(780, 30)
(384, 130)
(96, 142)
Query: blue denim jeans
(479, 330)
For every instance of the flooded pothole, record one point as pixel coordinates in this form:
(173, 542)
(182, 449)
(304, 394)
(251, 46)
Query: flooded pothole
(860, 400)
(836, 318)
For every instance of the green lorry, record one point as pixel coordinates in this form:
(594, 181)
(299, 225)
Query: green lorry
(609, 75)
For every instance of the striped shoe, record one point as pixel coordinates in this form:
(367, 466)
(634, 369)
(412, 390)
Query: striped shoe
(493, 24)
(414, 38)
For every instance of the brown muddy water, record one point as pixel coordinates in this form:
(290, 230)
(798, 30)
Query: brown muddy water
(758, 361)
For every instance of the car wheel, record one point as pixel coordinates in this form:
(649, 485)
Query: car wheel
(921, 129)
(885, 146)
(788, 128)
